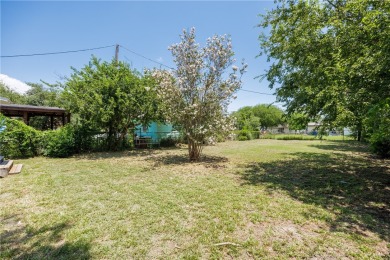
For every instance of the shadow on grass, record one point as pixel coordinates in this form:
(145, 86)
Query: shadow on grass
(23, 242)
(116, 155)
(345, 146)
(182, 159)
(355, 189)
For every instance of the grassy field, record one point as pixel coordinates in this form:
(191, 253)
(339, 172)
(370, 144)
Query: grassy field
(245, 200)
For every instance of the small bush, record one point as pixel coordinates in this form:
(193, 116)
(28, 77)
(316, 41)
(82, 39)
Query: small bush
(256, 134)
(17, 140)
(244, 135)
(380, 144)
(84, 139)
(377, 124)
(60, 142)
(168, 142)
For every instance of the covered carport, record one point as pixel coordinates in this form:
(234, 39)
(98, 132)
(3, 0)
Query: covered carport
(27, 111)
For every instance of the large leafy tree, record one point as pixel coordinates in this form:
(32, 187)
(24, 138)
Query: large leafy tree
(329, 58)
(111, 97)
(195, 95)
(245, 119)
(269, 115)
(259, 116)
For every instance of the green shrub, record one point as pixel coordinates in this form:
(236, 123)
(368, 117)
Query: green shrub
(17, 140)
(60, 142)
(244, 135)
(256, 134)
(168, 142)
(377, 124)
(84, 140)
(380, 144)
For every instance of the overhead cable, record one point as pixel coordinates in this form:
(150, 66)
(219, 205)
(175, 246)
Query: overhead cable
(54, 53)
(145, 57)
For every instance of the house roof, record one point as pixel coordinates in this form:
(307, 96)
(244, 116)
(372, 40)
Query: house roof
(19, 110)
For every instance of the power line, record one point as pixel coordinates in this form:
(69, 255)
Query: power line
(256, 92)
(54, 53)
(116, 53)
(146, 57)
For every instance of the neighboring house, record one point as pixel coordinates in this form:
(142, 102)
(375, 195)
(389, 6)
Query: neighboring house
(156, 131)
(312, 127)
(284, 129)
(280, 129)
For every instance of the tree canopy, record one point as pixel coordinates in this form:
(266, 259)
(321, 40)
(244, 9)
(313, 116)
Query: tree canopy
(111, 97)
(329, 58)
(257, 117)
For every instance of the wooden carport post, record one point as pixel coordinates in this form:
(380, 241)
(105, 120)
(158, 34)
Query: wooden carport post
(25, 117)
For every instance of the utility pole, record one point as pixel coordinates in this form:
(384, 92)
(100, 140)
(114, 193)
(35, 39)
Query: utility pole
(116, 52)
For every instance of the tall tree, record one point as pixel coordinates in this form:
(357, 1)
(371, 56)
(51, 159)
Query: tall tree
(109, 96)
(269, 115)
(245, 119)
(195, 95)
(329, 58)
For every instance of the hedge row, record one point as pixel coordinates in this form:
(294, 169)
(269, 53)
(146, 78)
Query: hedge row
(17, 140)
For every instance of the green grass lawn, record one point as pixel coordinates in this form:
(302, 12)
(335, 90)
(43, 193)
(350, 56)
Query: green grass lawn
(245, 200)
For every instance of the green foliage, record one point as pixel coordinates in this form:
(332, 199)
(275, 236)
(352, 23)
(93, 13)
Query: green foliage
(13, 96)
(244, 135)
(85, 139)
(168, 142)
(17, 139)
(378, 126)
(259, 116)
(60, 142)
(294, 137)
(111, 97)
(297, 121)
(269, 115)
(329, 58)
(380, 144)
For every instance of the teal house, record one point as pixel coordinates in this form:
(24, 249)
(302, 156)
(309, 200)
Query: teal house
(156, 131)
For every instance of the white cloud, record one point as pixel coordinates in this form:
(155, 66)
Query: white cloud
(14, 84)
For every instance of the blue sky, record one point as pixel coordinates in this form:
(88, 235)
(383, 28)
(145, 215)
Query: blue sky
(147, 28)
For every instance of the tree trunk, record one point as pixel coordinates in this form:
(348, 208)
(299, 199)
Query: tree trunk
(111, 139)
(194, 150)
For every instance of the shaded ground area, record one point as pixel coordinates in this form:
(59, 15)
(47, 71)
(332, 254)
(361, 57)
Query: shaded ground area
(344, 146)
(20, 241)
(182, 159)
(355, 188)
